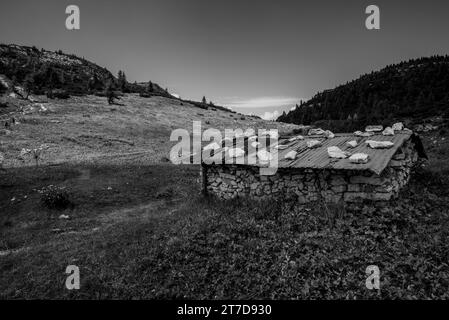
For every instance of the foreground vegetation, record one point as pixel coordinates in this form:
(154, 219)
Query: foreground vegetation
(144, 232)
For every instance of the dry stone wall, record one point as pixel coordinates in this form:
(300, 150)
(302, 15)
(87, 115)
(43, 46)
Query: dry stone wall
(307, 185)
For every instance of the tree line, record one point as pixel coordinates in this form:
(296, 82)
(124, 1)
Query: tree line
(417, 88)
(60, 75)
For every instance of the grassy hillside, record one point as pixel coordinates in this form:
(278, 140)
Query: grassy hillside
(28, 70)
(88, 129)
(139, 230)
(414, 89)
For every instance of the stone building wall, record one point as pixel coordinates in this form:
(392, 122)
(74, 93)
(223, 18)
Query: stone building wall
(306, 185)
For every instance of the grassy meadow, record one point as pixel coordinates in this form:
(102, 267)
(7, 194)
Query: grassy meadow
(138, 228)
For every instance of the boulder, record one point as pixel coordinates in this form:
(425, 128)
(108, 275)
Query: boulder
(372, 128)
(359, 158)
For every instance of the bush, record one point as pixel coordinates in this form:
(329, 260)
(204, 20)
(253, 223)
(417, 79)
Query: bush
(100, 94)
(301, 131)
(166, 193)
(2, 88)
(145, 95)
(57, 94)
(60, 94)
(165, 159)
(53, 197)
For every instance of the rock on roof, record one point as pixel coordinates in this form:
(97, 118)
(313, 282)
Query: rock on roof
(318, 158)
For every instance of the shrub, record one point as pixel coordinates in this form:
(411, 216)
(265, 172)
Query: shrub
(300, 131)
(53, 197)
(145, 95)
(2, 159)
(60, 94)
(35, 154)
(2, 88)
(166, 193)
(57, 94)
(110, 93)
(100, 93)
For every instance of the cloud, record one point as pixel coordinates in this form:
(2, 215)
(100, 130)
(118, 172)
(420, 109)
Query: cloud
(270, 115)
(175, 95)
(262, 102)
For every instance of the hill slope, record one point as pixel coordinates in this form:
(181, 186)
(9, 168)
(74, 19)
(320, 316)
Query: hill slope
(413, 89)
(43, 70)
(51, 70)
(83, 126)
(86, 129)
(28, 70)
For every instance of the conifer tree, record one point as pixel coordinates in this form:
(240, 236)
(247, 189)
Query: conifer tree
(110, 94)
(121, 81)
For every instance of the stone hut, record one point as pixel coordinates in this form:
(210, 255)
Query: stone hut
(313, 175)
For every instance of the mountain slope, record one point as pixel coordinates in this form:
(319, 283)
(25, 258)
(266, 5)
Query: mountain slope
(30, 70)
(44, 70)
(41, 70)
(87, 129)
(414, 89)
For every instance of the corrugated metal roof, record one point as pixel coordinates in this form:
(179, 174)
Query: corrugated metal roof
(318, 158)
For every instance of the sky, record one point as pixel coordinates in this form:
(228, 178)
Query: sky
(255, 56)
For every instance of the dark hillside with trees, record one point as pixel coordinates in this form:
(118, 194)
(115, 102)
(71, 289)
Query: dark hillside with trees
(58, 74)
(414, 89)
(41, 71)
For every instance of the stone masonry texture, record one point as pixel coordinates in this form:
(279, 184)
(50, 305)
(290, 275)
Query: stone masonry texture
(308, 185)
